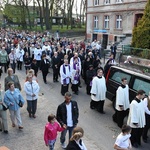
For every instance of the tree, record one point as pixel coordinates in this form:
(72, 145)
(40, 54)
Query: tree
(141, 32)
(41, 12)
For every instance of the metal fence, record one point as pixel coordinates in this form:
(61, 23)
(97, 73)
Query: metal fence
(140, 52)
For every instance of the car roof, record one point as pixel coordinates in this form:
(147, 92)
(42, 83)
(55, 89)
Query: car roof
(131, 72)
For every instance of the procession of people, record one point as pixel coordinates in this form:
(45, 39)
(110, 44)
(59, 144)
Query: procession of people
(72, 63)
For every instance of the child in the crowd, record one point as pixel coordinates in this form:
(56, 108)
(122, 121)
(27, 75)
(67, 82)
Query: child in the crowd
(50, 133)
(34, 77)
(123, 139)
(76, 142)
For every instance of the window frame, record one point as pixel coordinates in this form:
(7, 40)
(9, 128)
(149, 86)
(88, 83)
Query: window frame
(96, 2)
(106, 21)
(118, 21)
(96, 20)
(119, 1)
(106, 2)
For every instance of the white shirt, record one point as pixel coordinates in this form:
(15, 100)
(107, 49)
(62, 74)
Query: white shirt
(20, 54)
(136, 114)
(123, 140)
(69, 115)
(82, 145)
(122, 98)
(37, 54)
(66, 75)
(98, 88)
(147, 111)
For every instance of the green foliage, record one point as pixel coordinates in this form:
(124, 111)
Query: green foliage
(55, 28)
(15, 13)
(141, 33)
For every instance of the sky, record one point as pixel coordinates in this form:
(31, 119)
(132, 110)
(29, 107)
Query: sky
(74, 8)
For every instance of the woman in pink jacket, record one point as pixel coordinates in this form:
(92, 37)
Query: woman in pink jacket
(50, 133)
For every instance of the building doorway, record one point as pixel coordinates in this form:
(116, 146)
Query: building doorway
(94, 37)
(104, 41)
(115, 38)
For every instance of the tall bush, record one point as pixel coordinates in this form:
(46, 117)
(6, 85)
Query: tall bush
(141, 33)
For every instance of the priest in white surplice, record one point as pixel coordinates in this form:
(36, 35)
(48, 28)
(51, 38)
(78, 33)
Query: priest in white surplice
(65, 74)
(136, 118)
(98, 92)
(75, 75)
(122, 102)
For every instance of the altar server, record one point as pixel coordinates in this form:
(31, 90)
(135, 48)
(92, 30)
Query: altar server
(136, 118)
(98, 92)
(122, 102)
(65, 74)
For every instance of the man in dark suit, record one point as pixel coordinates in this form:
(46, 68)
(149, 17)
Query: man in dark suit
(113, 50)
(44, 67)
(55, 66)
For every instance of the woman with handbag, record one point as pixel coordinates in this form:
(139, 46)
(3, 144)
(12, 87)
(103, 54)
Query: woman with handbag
(14, 100)
(3, 114)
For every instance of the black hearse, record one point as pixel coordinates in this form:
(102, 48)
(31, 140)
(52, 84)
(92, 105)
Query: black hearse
(136, 81)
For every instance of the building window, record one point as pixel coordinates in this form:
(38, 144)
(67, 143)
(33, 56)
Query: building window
(106, 22)
(119, 1)
(106, 2)
(96, 2)
(118, 21)
(95, 21)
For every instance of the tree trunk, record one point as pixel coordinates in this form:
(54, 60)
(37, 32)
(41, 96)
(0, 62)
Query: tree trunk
(68, 12)
(81, 6)
(41, 19)
(71, 19)
(84, 11)
(47, 15)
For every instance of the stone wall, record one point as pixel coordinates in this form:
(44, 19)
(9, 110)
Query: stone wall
(139, 64)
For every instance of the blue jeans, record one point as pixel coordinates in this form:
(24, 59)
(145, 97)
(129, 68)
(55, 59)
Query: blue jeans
(51, 144)
(63, 134)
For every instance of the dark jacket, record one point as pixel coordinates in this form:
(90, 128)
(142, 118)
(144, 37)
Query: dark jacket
(62, 113)
(73, 146)
(44, 66)
(15, 80)
(89, 76)
(35, 68)
(55, 61)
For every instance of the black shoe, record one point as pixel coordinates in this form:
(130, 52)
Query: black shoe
(145, 140)
(76, 93)
(135, 145)
(92, 107)
(0, 130)
(102, 112)
(80, 86)
(45, 82)
(5, 131)
(57, 81)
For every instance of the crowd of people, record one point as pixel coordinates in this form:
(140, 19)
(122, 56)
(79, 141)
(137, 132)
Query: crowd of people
(71, 61)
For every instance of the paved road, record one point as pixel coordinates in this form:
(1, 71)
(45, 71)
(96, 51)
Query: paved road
(100, 131)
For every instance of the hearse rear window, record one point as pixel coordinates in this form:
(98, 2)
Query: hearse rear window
(141, 85)
(117, 76)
